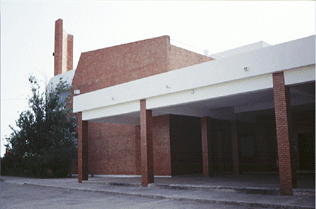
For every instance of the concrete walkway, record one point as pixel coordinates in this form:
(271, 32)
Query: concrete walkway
(227, 189)
(248, 182)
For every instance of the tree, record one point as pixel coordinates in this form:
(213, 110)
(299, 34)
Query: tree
(44, 143)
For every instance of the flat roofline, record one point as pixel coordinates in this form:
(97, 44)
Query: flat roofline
(240, 49)
(289, 55)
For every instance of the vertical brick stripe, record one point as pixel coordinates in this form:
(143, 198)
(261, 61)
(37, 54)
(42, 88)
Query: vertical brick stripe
(146, 144)
(282, 132)
(58, 47)
(70, 39)
(85, 149)
(138, 151)
(235, 147)
(204, 133)
(82, 149)
(150, 162)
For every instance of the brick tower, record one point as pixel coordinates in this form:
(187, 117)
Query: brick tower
(63, 54)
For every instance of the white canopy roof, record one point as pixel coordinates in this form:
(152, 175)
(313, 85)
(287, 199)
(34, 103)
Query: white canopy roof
(194, 90)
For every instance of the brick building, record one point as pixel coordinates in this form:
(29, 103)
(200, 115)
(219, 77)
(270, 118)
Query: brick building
(150, 108)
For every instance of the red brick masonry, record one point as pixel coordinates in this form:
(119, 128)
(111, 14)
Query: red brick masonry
(282, 132)
(82, 149)
(205, 146)
(146, 143)
(58, 52)
(113, 148)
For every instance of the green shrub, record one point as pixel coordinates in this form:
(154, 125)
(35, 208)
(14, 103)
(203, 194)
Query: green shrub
(44, 144)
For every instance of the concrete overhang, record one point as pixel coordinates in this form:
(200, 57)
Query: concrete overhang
(228, 82)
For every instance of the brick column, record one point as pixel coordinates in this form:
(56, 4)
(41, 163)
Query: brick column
(235, 147)
(58, 52)
(220, 150)
(70, 41)
(146, 136)
(281, 105)
(82, 149)
(205, 133)
(138, 151)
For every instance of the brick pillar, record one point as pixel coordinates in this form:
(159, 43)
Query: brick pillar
(70, 40)
(205, 133)
(58, 52)
(82, 149)
(283, 133)
(235, 147)
(138, 151)
(146, 136)
(220, 150)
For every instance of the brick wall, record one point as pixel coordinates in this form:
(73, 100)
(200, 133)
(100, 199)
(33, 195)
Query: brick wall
(138, 160)
(179, 58)
(119, 64)
(103, 153)
(114, 149)
(161, 145)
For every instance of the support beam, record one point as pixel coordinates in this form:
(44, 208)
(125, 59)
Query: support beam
(281, 105)
(82, 149)
(207, 171)
(235, 147)
(146, 135)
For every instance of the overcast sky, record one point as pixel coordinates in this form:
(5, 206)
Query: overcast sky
(27, 33)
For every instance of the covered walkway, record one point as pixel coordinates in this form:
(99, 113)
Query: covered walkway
(270, 82)
(249, 183)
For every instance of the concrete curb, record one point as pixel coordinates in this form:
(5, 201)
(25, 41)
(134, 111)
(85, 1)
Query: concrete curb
(244, 190)
(158, 196)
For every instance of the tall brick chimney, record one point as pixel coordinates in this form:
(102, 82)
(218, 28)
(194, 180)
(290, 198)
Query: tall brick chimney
(63, 54)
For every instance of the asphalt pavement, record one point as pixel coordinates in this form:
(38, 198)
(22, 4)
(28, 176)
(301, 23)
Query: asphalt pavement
(181, 189)
(14, 196)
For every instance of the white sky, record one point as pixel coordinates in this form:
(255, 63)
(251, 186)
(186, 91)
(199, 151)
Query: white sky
(27, 33)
